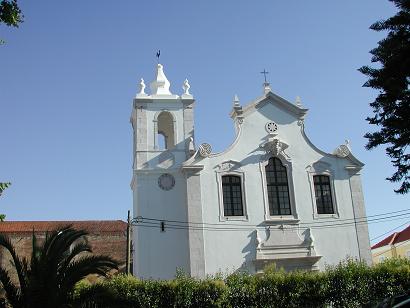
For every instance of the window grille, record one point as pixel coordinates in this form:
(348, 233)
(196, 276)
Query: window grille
(323, 194)
(232, 195)
(277, 187)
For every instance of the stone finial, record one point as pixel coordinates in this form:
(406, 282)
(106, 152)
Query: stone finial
(236, 101)
(191, 146)
(298, 102)
(160, 86)
(266, 88)
(186, 86)
(142, 87)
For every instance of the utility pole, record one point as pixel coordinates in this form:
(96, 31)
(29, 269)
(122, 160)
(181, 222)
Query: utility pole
(128, 258)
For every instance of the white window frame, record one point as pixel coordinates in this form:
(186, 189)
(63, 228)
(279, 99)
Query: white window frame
(322, 168)
(230, 168)
(288, 165)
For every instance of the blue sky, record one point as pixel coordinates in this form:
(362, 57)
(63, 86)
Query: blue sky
(69, 73)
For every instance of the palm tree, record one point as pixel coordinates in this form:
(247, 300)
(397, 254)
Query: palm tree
(48, 278)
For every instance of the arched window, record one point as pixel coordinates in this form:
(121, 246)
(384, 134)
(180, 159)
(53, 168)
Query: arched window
(165, 132)
(277, 187)
(232, 195)
(323, 194)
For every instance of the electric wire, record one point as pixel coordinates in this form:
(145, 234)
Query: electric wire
(379, 236)
(248, 227)
(351, 220)
(221, 225)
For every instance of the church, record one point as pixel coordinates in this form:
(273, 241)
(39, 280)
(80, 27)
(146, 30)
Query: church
(271, 197)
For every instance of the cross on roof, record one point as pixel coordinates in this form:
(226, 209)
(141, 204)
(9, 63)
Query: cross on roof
(264, 74)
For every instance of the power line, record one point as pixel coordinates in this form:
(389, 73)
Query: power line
(314, 224)
(390, 231)
(353, 220)
(248, 227)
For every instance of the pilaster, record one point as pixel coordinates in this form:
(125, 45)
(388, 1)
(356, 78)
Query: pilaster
(359, 212)
(195, 235)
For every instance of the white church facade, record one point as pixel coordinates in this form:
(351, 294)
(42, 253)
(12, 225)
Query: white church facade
(270, 197)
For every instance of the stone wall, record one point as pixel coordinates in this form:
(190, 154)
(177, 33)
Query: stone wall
(112, 242)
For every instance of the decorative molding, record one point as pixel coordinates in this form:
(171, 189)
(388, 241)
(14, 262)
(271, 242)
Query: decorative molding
(230, 171)
(142, 87)
(229, 165)
(322, 168)
(342, 151)
(271, 127)
(186, 86)
(287, 247)
(271, 98)
(205, 149)
(288, 164)
(275, 146)
(319, 167)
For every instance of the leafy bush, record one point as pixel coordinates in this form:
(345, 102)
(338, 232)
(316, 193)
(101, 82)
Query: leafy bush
(349, 284)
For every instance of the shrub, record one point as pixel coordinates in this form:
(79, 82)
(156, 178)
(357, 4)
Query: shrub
(349, 284)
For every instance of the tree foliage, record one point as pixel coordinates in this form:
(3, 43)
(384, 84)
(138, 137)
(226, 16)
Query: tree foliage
(56, 265)
(392, 106)
(348, 284)
(3, 186)
(10, 14)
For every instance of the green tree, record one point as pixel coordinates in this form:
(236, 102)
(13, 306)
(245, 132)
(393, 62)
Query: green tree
(392, 106)
(49, 277)
(10, 14)
(3, 186)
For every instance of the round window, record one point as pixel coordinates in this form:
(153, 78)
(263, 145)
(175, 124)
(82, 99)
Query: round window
(271, 127)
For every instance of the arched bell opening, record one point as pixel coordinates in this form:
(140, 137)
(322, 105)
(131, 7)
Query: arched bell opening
(165, 133)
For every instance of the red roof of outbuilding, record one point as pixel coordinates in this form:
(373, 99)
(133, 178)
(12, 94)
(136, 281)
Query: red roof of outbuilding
(394, 238)
(43, 226)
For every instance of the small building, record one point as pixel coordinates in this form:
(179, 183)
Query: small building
(271, 197)
(394, 246)
(106, 237)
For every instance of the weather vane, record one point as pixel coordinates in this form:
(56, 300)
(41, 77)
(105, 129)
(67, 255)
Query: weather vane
(158, 55)
(264, 74)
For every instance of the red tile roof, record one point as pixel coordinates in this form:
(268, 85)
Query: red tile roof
(394, 238)
(91, 226)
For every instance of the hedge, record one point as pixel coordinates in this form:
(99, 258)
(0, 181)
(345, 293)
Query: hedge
(349, 284)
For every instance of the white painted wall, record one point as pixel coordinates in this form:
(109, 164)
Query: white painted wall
(231, 250)
(158, 254)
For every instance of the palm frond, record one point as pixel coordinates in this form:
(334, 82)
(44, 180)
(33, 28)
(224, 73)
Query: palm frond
(84, 266)
(75, 252)
(57, 246)
(11, 290)
(20, 265)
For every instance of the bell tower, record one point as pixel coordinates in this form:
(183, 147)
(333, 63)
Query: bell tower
(163, 127)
